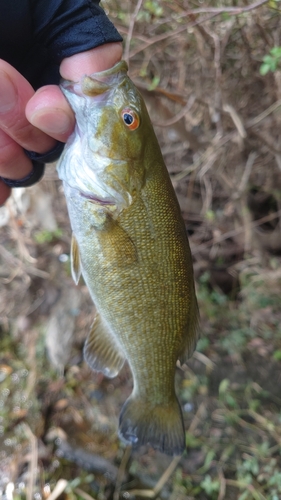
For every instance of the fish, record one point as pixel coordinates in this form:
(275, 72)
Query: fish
(129, 242)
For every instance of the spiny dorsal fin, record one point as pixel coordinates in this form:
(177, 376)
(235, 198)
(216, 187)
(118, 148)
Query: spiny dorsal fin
(101, 350)
(75, 261)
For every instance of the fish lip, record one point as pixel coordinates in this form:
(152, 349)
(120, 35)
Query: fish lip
(95, 199)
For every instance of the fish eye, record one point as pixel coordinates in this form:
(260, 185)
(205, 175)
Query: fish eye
(130, 118)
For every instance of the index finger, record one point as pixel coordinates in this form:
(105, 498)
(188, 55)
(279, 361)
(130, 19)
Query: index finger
(15, 92)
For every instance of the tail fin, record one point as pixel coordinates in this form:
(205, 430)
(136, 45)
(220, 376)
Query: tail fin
(160, 426)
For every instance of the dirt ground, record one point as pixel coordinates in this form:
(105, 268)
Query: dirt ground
(217, 115)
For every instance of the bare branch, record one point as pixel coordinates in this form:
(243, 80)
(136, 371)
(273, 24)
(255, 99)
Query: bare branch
(234, 232)
(230, 10)
(130, 31)
(178, 116)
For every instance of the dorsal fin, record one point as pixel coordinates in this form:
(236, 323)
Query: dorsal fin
(101, 350)
(75, 260)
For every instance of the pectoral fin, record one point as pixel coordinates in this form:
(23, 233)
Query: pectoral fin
(116, 245)
(101, 351)
(75, 260)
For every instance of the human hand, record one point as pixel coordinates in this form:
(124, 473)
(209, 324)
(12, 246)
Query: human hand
(36, 120)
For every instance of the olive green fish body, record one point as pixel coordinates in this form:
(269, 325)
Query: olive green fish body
(131, 246)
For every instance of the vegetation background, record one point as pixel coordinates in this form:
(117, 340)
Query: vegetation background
(210, 72)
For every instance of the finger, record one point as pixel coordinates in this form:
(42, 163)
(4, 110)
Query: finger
(15, 92)
(5, 192)
(14, 164)
(86, 63)
(49, 111)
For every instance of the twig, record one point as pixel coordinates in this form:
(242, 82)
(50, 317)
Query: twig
(246, 174)
(278, 160)
(141, 493)
(167, 474)
(208, 165)
(206, 156)
(214, 11)
(121, 472)
(230, 10)
(216, 105)
(221, 414)
(58, 490)
(210, 365)
(208, 190)
(165, 36)
(248, 239)
(19, 237)
(83, 494)
(33, 463)
(178, 116)
(236, 119)
(159, 38)
(234, 232)
(243, 485)
(268, 141)
(162, 481)
(254, 121)
(266, 424)
(130, 31)
(222, 485)
(14, 261)
(197, 417)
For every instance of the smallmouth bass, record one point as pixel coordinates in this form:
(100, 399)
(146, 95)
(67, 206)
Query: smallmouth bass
(130, 244)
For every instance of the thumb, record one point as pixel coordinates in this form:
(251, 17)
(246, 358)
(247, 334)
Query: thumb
(49, 111)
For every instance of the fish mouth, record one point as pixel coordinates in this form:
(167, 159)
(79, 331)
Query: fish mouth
(92, 198)
(102, 199)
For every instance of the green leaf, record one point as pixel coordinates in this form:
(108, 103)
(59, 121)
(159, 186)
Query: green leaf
(277, 355)
(210, 485)
(264, 69)
(224, 385)
(267, 59)
(154, 83)
(276, 51)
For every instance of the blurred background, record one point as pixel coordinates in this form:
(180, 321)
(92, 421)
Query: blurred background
(210, 72)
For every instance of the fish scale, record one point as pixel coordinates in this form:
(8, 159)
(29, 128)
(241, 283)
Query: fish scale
(131, 246)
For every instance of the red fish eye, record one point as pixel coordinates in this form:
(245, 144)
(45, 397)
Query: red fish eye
(130, 118)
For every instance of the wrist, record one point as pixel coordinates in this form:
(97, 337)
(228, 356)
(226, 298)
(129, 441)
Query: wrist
(94, 60)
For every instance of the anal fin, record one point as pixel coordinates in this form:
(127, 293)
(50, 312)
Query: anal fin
(75, 260)
(101, 351)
